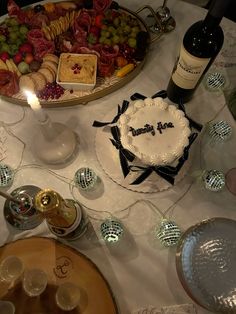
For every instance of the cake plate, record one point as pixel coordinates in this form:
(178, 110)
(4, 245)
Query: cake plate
(108, 157)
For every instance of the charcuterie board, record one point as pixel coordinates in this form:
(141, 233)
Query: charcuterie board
(118, 37)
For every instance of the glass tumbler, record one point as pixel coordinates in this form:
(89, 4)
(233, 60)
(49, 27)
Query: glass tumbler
(67, 296)
(11, 269)
(34, 282)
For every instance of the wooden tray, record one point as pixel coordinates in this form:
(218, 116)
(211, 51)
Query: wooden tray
(62, 264)
(104, 86)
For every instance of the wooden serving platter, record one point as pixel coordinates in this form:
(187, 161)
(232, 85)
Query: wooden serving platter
(62, 264)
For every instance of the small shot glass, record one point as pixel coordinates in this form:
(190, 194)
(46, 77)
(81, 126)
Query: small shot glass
(67, 296)
(7, 307)
(11, 269)
(34, 282)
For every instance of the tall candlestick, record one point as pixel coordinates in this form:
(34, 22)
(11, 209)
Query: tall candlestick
(34, 103)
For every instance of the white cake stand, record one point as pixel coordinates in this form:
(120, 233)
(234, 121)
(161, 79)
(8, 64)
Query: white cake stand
(108, 157)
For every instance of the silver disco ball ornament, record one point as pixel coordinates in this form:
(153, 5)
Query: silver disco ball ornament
(168, 233)
(85, 178)
(111, 230)
(6, 175)
(215, 81)
(214, 180)
(220, 131)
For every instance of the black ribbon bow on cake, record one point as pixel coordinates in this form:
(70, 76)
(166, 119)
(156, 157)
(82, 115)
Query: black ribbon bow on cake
(121, 110)
(124, 154)
(166, 172)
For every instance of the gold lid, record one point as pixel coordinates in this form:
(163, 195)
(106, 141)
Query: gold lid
(48, 201)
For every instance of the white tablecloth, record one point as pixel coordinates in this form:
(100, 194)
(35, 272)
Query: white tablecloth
(140, 271)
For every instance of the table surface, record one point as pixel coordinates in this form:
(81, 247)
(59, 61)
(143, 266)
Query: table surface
(140, 271)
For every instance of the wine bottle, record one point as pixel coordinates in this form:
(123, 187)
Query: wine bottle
(201, 44)
(65, 217)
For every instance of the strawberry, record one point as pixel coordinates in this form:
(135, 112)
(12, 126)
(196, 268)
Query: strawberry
(99, 20)
(17, 57)
(26, 47)
(4, 56)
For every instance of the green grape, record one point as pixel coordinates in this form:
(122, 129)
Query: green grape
(116, 21)
(111, 29)
(135, 29)
(116, 39)
(108, 34)
(13, 37)
(13, 29)
(23, 29)
(103, 32)
(13, 49)
(5, 47)
(2, 38)
(107, 41)
(127, 29)
(132, 42)
(102, 39)
(13, 22)
(119, 31)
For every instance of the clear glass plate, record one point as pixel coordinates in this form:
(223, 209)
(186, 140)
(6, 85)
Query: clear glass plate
(205, 263)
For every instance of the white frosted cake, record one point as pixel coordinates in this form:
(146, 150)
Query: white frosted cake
(154, 131)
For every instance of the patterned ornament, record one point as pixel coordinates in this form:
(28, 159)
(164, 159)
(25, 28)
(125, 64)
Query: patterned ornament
(85, 178)
(168, 233)
(220, 131)
(6, 175)
(214, 180)
(111, 230)
(215, 81)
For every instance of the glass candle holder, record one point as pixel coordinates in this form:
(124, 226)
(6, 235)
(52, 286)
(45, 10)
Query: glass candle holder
(34, 282)
(67, 296)
(56, 144)
(11, 269)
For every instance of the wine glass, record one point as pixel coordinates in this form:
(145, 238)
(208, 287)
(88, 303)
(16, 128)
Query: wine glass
(34, 282)
(163, 12)
(167, 22)
(67, 296)
(11, 269)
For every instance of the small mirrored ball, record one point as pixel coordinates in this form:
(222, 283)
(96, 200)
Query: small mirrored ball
(85, 178)
(168, 233)
(214, 180)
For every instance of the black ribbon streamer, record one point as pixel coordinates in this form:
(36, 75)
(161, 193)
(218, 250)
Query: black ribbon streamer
(124, 154)
(166, 172)
(121, 110)
(193, 123)
(137, 96)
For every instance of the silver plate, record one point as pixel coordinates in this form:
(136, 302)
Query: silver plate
(205, 262)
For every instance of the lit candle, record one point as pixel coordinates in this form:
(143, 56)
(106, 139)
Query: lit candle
(33, 101)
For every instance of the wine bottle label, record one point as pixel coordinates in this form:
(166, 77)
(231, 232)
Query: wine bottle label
(188, 69)
(76, 230)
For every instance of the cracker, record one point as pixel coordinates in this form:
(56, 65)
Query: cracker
(26, 83)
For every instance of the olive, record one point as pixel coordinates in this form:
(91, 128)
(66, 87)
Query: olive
(39, 8)
(114, 6)
(142, 40)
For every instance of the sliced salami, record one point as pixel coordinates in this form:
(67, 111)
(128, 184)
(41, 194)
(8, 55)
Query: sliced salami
(101, 5)
(8, 83)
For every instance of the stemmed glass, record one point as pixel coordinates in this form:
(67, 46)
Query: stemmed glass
(167, 22)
